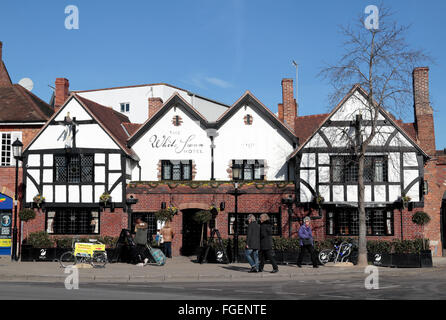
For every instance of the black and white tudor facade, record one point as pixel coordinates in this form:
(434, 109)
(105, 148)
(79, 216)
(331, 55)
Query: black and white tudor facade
(394, 168)
(85, 151)
(78, 156)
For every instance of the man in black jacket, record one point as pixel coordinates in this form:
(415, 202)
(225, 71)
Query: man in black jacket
(266, 243)
(253, 243)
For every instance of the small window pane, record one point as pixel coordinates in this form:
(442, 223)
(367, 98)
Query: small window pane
(187, 171)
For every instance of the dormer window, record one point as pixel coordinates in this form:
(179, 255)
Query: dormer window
(125, 107)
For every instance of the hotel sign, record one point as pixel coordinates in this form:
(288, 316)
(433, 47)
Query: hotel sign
(177, 142)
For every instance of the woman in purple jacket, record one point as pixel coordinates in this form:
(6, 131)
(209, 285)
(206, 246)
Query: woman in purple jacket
(306, 243)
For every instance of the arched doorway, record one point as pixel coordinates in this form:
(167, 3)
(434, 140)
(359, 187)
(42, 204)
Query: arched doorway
(443, 224)
(5, 224)
(192, 231)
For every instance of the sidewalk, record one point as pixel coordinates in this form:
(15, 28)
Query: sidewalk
(179, 269)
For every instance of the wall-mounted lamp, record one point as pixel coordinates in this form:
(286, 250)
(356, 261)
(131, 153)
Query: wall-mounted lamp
(222, 206)
(163, 205)
(425, 187)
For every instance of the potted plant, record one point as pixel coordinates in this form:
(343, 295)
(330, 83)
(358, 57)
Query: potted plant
(26, 215)
(379, 253)
(38, 200)
(202, 217)
(421, 218)
(40, 247)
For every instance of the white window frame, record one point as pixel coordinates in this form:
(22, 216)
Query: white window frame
(126, 106)
(14, 136)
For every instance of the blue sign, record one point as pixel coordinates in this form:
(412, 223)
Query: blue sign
(5, 224)
(5, 202)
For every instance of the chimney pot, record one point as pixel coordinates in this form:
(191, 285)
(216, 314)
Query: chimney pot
(155, 103)
(424, 121)
(288, 103)
(62, 92)
(1, 49)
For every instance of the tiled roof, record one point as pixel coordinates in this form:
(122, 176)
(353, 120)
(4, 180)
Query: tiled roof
(305, 126)
(20, 105)
(131, 127)
(110, 119)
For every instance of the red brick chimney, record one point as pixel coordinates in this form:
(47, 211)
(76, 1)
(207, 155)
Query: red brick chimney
(1, 46)
(288, 103)
(62, 93)
(424, 120)
(154, 105)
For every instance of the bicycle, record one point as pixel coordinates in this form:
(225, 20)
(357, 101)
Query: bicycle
(341, 251)
(92, 253)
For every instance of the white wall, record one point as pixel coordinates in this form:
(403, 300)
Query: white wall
(164, 141)
(138, 99)
(259, 141)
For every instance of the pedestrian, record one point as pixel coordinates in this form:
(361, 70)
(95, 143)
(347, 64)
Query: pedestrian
(253, 243)
(167, 237)
(266, 243)
(141, 241)
(306, 243)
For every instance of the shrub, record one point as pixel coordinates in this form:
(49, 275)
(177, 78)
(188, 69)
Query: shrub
(63, 242)
(421, 218)
(40, 239)
(375, 246)
(27, 214)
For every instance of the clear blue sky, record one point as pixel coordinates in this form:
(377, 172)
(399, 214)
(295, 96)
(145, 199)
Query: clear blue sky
(218, 49)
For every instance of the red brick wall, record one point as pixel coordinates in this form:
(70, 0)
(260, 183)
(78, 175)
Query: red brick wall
(257, 201)
(7, 174)
(288, 103)
(111, 223)
(154, 105)
(423, 112)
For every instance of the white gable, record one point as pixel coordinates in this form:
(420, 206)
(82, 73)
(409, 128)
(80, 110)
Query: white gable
(164, 141)
(259, 141)
(87, 135)
(355, 104)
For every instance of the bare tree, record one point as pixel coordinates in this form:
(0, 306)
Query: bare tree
(378, 59)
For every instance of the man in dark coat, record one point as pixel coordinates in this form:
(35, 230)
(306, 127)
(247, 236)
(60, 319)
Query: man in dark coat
(253, 243)
(266, 243)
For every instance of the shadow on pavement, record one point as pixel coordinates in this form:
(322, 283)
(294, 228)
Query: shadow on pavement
(234, 268)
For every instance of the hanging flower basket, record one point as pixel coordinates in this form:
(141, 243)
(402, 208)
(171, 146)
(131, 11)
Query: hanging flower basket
(405, 201)
(105, 198)
(38, 200)
(319, 200)
(166, 214)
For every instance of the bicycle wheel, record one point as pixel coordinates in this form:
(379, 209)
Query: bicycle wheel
(67, 259)
(325, 256)
(99, 259)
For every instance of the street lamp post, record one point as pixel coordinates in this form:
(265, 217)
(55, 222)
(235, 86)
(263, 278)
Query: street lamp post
(236, 193)
(17, 148)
